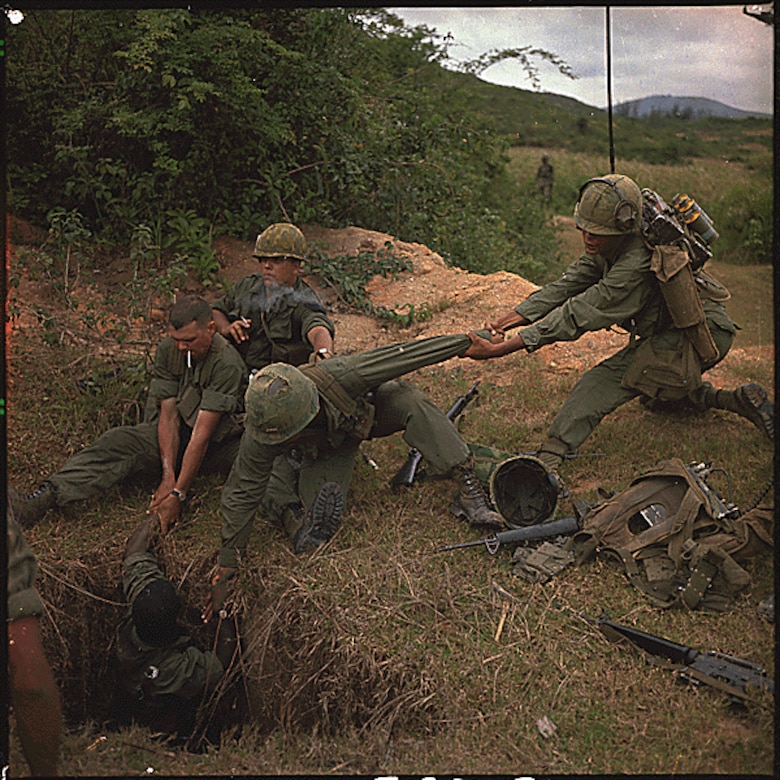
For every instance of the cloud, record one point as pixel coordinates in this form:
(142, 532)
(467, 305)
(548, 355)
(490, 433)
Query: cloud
(714, 52)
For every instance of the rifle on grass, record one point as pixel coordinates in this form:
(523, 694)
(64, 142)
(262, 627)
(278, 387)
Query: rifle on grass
(565, 526)
(731, 675)
(407, 473)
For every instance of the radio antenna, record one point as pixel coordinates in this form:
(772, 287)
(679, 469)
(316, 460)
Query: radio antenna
(609, 96)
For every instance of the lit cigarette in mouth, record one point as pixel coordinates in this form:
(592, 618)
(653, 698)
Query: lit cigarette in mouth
(189, 359)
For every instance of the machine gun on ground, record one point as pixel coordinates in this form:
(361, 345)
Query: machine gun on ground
(733, 676)
(407, 473)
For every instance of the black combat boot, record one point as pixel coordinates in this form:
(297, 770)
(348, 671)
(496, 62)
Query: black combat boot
(470, 502)
(321, 521)
(29, 509)
(749, 401)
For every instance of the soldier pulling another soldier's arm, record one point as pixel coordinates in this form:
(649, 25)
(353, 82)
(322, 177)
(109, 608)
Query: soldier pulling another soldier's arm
(613, 283)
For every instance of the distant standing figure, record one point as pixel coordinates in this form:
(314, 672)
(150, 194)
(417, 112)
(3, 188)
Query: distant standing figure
(544, 180)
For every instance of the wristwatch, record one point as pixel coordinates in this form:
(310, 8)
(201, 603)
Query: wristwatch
(181, 495)
(323, 353)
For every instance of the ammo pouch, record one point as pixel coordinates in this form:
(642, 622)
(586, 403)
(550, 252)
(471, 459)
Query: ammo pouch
(672, 269)
(665, 367)
(355, 416)
(673, 547)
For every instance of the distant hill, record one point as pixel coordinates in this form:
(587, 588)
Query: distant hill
(681, 108)
(548, 121)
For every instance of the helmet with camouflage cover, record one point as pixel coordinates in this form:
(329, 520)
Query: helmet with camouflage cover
(280, 402)
(281, 239)
(609, 205)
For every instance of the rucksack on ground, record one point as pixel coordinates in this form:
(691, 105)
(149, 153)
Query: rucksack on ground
(677, 540)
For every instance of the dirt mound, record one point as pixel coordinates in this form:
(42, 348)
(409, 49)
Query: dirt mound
(454, 300)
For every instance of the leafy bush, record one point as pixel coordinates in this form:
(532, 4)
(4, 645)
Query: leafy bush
(246, 117)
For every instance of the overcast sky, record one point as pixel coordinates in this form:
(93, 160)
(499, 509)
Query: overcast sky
(712, 52)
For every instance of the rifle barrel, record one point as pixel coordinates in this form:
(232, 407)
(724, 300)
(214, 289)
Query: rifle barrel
(711, 668)
(564, 526)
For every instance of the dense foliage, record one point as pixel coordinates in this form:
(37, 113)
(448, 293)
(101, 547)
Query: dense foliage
(153, 119)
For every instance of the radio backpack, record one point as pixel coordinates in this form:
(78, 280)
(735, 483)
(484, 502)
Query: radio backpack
(677, 540)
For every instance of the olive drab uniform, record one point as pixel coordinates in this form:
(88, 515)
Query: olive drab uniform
(23, 598)
(215, 384)
(597, 292)
(359, 398)
(162, 686)
(280, 319)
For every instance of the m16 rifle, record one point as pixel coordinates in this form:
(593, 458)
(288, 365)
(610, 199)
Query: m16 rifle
(733, 676)
(407, 473)
(564, 526)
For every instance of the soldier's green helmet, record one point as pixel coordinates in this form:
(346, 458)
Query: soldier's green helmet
(523, 491)
(281, 239)
(609, 205)
(280, 402)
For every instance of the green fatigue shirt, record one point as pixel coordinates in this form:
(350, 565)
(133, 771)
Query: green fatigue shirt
(595, 293)
(215, 384)
(179, 669)
(279, 315)
(358, 375)
(23, 599)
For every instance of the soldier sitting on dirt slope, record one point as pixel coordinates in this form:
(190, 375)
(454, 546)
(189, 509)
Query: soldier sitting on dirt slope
(192, 417)
(274, 316)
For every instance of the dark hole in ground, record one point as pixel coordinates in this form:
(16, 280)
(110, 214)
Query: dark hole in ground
(298, 671)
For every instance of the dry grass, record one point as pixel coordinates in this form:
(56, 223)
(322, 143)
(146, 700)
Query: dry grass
(376, 654)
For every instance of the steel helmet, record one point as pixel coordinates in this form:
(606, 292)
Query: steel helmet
(280, 402)
(609, 205)
(523, 491)
(281, 240)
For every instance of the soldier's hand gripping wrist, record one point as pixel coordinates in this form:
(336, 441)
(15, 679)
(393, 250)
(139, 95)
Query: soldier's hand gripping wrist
(168, 512)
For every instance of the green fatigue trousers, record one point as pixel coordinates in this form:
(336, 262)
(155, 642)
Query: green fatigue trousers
(600, 391)
(128, 451)
(399, 407)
